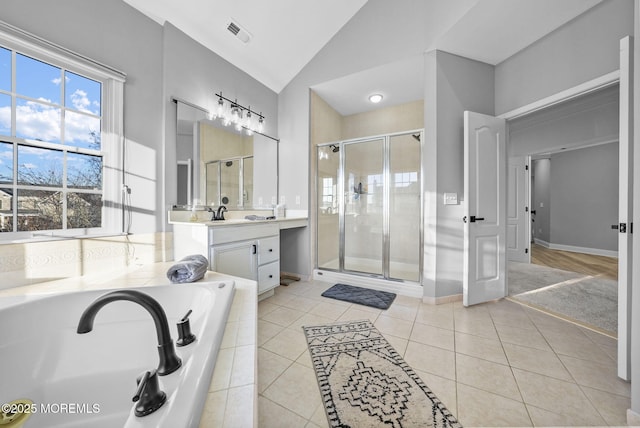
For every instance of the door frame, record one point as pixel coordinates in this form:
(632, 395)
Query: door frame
(602, 82)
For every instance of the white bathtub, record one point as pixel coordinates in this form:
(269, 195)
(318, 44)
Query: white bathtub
(88, 380)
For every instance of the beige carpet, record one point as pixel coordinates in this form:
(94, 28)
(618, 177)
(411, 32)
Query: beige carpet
(364, 382)
(589, 300)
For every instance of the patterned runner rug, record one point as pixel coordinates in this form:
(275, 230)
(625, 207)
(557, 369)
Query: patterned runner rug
(364, 382)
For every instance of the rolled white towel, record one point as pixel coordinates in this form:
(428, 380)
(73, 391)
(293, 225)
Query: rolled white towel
(189, 269)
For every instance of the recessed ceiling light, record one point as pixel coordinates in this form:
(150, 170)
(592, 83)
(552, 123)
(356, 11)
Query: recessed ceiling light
(375, 98)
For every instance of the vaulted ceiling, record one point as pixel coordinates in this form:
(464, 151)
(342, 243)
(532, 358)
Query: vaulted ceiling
(284, 35)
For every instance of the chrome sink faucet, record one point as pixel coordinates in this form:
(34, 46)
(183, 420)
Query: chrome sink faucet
(169, 361)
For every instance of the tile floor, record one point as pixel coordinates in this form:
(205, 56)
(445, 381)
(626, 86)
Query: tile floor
(496, 364)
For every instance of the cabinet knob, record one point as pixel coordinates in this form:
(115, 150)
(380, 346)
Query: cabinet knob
(271, 250)
(270, 276)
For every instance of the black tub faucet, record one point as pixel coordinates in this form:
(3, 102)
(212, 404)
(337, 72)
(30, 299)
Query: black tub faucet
(169, 361)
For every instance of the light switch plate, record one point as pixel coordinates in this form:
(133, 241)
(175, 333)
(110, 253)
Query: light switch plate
(451, 199)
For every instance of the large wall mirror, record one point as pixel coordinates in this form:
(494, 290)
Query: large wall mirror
(218, 165)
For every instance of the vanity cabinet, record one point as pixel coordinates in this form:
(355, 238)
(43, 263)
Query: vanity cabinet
(249, 251)
(256, 259)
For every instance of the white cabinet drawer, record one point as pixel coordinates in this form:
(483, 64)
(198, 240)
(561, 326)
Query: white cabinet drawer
(268, 250)
(268, 276)
(229, 233)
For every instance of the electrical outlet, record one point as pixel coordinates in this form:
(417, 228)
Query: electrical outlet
(260, 201)
(297, 199)
(282, 199)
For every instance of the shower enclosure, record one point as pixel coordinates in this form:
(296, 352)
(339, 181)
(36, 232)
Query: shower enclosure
(229, 181)
(370, 206)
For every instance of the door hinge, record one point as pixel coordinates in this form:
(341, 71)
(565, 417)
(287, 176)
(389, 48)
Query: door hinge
(526, 209)
(623, 228)
(526, 167)
(526, 251)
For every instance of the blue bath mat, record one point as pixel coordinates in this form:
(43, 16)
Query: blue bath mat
(362, 296)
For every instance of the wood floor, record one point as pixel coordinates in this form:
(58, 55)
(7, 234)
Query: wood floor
(588, 264)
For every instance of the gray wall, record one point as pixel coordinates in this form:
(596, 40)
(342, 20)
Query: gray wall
(195, 74)
(115, 34)
(160, 62)
(583, 49)
(457, 84)
(402, 33)
(584, 197)
(579, 191)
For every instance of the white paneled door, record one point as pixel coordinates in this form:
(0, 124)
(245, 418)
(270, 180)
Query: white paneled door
(485, 223)
(518, 215)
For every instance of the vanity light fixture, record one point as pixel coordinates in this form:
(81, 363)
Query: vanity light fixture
(240, 116)
(375, 98)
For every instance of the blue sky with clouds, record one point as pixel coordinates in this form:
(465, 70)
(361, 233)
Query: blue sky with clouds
(40, 94)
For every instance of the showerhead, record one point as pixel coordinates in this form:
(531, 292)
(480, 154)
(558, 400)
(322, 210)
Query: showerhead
(334, 148)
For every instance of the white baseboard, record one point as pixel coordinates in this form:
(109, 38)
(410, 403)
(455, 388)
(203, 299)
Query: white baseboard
(442, 300)
(576, 249)
(403, 288)
(633, 418)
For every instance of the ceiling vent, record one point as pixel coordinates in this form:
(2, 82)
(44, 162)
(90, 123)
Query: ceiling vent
(238, 31)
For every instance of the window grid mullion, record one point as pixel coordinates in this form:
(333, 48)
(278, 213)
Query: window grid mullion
(63, 190)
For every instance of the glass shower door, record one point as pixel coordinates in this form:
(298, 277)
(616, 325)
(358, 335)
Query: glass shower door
(404, 207)
(328, 225)
(364, 206)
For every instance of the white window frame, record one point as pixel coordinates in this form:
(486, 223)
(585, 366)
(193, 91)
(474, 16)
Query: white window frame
(112, 134)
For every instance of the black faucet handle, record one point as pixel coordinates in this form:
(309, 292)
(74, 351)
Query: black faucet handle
(148, 394)
(185, 336)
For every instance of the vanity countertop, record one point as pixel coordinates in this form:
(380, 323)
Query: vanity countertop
(235, 218)
(235, 378)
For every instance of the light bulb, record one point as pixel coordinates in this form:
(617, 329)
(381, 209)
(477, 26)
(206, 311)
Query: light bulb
(260, 124)
(220, 109)
(375, 98)
(235, 114)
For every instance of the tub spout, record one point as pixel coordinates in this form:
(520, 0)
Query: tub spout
(169, 361)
